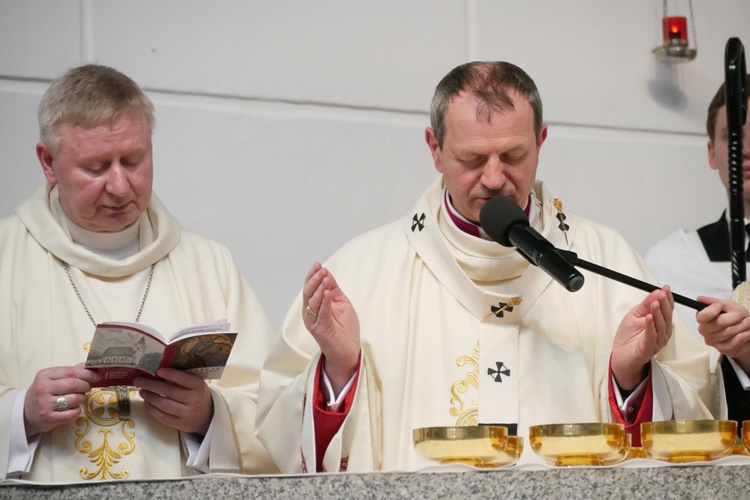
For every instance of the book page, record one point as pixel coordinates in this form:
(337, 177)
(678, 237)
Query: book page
(202, 355)
(211, 327)
(122, 351)
(124, 347)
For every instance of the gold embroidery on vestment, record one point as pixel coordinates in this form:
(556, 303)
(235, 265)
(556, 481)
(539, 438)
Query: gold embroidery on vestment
(513, 302)
(507, 306)
(466, 415)
(561, 217)
(101, 409)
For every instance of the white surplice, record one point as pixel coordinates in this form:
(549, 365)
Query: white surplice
(680, 261)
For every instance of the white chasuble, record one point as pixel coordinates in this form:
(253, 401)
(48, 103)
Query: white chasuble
(437, 330)
(43, 324)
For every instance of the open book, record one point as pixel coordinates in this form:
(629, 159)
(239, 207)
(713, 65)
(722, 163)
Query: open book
(123, 351)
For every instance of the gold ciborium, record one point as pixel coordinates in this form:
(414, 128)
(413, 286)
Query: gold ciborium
(580, 444)
(484, 446)
(688, 440)
(745, 439)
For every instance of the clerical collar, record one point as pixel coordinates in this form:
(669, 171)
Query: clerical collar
(465, 224)
(117, 245)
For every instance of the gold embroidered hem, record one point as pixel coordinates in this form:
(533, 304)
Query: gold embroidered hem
(102, 409)
(467, 414)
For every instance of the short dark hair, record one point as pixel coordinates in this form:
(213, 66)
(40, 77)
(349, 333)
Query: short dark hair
(490, 82)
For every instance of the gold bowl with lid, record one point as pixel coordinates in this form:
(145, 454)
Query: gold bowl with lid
(483, 446)
(566, 445)
(745, 441)
(688, 440)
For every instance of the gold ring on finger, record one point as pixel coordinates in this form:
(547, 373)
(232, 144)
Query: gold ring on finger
(310, 313)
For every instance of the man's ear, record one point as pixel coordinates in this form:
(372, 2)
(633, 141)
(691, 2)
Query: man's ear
(712, 156)
(46, 158)
(432, 143)
(542, 137)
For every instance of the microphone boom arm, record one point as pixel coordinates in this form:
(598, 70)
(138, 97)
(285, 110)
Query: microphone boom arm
(572, 257)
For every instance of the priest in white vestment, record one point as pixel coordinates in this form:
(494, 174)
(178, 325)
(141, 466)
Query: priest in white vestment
(426, 322)
(697, 263)
(93, 244)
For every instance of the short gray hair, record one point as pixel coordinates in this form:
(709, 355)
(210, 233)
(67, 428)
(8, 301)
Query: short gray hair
(88, 96)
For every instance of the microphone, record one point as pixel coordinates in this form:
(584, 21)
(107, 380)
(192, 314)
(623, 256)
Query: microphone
(504, 221)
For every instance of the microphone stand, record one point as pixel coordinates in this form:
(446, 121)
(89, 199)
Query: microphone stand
(572, 257)
(735, 95)
(736, 105)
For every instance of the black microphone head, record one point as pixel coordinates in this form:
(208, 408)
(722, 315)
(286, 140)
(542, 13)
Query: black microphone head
(498, 216)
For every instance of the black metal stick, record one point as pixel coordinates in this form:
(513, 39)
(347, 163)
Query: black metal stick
(735, 95)
(628, 280)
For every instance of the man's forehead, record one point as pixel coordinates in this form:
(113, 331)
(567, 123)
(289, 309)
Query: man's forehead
(466, 102)
(93, 121)
(469, 108)
(478, 97)
(91, 141)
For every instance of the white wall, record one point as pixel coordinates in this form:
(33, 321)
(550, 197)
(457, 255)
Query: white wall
(287, 127)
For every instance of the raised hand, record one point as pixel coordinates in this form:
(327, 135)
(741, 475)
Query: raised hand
(643, 332)
(331, 319)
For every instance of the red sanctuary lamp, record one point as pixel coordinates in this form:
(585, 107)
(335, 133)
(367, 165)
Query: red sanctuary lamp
(674, 30)
(675, 46)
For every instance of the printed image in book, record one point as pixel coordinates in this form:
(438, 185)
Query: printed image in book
(123, 351)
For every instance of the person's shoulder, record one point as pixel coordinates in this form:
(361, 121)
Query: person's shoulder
(10, 224)
(195, 244)
(369, 249)
(601, 243)
(8, 220)
(15, 240)
(676, 237)
(721, 221)
(374, 259)
(12, 220)
(372, 240)
(196, 238)
(587, 229)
